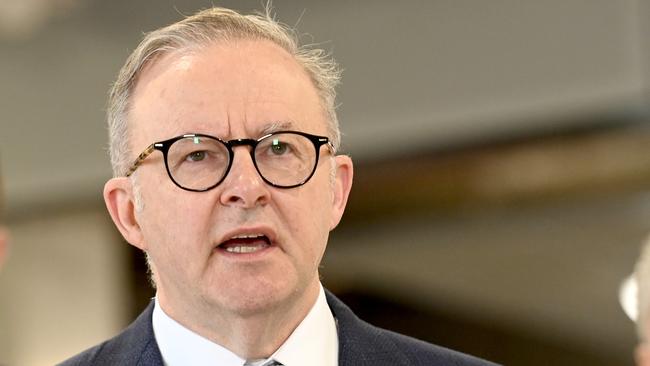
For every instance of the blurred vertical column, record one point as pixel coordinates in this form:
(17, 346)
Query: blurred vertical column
(63, 287)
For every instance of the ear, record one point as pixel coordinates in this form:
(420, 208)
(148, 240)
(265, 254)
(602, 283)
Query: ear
(4, 243)
(120, 201)
(342, 186)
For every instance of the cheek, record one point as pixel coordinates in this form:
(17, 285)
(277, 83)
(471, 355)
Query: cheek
(172, 224)
(310, 221)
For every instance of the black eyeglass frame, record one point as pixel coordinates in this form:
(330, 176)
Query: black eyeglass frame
(163, 146)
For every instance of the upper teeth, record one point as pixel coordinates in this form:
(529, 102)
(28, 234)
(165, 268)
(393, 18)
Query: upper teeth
(247, 236)
(245, 249)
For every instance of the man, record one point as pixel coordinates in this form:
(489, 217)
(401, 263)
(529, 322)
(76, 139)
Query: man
(232, 199)
(642, 279)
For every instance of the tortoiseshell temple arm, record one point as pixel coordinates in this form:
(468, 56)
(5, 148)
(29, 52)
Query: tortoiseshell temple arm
(140, 159)
(330, 147)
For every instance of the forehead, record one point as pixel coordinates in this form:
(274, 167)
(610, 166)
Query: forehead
(231, 89)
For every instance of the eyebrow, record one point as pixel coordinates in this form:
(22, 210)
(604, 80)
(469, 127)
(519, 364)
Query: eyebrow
(276, 126)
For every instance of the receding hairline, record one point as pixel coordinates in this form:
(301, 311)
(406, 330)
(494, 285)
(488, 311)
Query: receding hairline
(156, 57)
(195, 49)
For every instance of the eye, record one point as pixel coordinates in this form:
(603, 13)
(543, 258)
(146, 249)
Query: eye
(196, 155)
(278, 147)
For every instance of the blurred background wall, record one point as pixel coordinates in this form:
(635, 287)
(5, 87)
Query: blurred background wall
(502, 158)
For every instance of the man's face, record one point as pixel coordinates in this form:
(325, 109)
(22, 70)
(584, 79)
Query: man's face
(232, 90)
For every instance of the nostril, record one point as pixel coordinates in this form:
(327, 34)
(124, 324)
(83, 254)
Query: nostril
(234, 199)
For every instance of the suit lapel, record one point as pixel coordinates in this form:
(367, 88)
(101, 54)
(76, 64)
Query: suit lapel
(139, 340)
(360, 343)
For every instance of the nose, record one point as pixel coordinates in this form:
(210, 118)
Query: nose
(243, 187)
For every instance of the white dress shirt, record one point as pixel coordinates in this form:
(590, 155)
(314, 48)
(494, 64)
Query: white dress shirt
(314, 342)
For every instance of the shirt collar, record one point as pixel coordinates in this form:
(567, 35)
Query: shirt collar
(313, 342)
(181, 346)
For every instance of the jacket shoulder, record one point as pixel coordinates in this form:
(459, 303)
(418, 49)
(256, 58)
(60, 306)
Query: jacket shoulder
(136, 345)
(87, 357)
(361, 343)
(418, 352)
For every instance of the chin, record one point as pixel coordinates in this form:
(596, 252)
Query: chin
(250, 297)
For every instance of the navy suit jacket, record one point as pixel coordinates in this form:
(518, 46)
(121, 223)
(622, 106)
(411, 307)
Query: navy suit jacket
(360, 344)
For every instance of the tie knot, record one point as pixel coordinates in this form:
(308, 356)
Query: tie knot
(273, 363)
(267, 363)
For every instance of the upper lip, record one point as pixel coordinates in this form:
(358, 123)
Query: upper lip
(249, 231)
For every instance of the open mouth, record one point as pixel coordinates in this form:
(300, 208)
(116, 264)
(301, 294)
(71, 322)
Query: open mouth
(244, 244)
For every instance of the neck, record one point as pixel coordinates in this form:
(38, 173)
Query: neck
(250, 335)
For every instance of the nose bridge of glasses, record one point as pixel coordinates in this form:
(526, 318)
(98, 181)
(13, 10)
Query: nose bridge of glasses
(232, 144)
(241, 142)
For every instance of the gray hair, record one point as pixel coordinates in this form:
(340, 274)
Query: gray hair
(204, 28)
(642, 278)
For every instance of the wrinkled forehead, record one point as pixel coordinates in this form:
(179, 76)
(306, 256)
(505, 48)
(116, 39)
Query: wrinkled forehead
(229, 89)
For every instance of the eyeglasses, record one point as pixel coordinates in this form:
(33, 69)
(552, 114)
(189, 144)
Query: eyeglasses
(198, 163)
